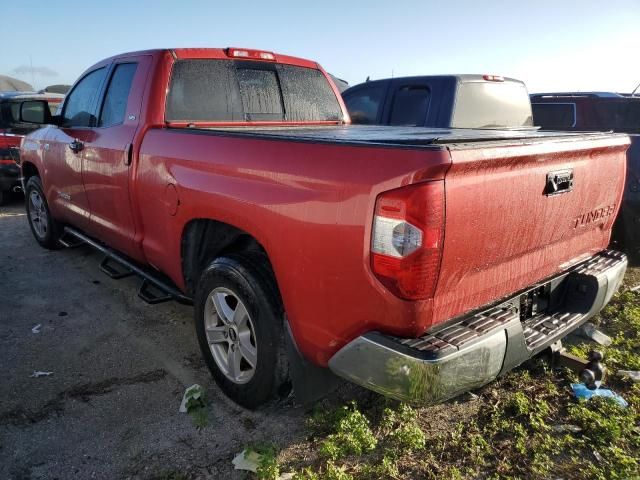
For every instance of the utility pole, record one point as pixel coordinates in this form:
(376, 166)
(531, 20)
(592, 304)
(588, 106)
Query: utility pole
(32, 77)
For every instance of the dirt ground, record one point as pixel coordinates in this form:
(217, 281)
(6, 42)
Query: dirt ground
(120, 367)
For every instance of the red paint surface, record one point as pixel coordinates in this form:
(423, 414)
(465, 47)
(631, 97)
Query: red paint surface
(311, 205)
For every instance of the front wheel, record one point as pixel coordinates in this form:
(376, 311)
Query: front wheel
(239, 323)
(44, 227)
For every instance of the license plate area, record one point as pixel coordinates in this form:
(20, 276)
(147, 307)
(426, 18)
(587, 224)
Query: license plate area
(535, 302)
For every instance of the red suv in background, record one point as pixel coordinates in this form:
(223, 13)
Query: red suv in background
(11, 133)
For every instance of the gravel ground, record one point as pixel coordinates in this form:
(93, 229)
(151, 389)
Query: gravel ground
(120, 367)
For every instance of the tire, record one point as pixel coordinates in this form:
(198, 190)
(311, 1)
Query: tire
(45, 229)
(229, 287)
(3, 197)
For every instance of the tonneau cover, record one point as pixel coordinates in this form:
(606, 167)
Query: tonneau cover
(402, 136)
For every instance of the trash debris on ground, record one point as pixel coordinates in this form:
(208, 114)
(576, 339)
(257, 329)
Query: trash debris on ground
(38, 374)
(36, 329)
(590, 332)
(286, 476)
(635, 289)
(634, 375)
(194, 392)
(247, 460)
(598, 457)
(581, 391)
(566, 428)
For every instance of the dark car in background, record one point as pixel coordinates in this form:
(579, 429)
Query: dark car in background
(444, 101)
(11, 133)
(602, 111)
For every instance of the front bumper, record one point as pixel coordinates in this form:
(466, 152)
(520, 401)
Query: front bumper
(476, 349)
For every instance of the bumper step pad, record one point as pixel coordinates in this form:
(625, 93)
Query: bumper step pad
(539, 329)
(454, 337)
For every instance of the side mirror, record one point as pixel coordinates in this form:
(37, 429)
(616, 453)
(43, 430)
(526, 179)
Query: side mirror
(35, 111)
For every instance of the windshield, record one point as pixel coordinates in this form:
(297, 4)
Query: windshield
(245, 91)
(492, 105)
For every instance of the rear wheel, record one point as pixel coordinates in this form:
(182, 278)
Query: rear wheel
(239, 323)
(3, 197)
(44, 227)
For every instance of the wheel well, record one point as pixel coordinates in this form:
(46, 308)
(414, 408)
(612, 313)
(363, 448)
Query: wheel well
(29, 170)
(204, 240)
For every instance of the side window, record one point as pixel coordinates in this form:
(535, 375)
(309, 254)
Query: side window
(554, 116)
(78, 109)
(364, 104)
(115, 100)
(410, 106)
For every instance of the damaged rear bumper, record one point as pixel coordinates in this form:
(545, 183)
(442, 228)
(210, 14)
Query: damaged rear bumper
(476, 349)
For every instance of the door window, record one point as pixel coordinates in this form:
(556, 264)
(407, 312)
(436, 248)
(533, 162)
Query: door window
(79, 109)
(115, 100)
(410, 106)
(364, 104)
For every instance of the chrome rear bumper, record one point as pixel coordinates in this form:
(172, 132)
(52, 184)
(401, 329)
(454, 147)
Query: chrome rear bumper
(476, 349)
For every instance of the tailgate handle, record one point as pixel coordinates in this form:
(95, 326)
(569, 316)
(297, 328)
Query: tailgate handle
(559, 181)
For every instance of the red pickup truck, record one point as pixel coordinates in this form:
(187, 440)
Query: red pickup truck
(417, 262)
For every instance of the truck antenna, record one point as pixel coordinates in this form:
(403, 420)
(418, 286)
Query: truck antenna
(633, 94)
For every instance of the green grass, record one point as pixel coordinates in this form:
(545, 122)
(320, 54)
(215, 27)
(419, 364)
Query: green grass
(527, 425)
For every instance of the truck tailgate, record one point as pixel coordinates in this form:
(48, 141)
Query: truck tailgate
(505, 228)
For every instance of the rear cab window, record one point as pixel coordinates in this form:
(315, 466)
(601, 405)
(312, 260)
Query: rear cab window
(213, 90)
(489, 104)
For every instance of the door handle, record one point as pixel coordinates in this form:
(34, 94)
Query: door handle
(76, 146)
(128, 154)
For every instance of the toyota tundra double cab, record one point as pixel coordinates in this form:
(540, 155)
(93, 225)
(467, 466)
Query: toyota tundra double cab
(417, 262)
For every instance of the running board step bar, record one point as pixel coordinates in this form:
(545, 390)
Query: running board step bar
(153, 289)
(107, 266)
(151, 294)
(73, 242)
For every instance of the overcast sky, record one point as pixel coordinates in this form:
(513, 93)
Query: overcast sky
(551, 45)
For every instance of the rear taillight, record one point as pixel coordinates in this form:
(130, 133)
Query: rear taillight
(407, 238)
